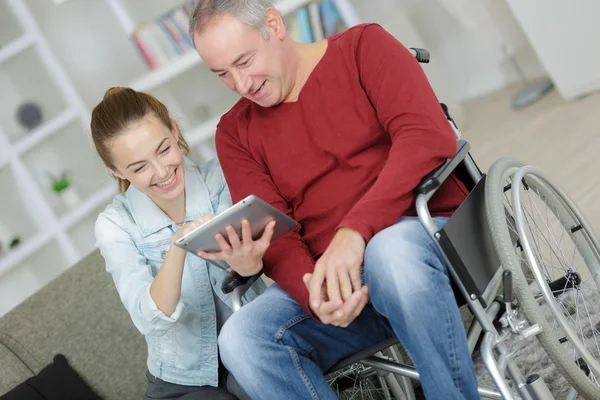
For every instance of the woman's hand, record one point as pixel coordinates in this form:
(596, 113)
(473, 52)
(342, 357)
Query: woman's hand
(190, 226)
(243, 256)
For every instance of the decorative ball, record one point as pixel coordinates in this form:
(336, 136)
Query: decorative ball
(29, 115)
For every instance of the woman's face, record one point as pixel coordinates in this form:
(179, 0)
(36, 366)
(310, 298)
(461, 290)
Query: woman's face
(147, 155)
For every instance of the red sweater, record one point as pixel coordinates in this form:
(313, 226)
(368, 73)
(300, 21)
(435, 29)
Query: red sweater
(366, 129)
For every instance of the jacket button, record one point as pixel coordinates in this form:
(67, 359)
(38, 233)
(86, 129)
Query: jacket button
(164, 254)
(214, 281)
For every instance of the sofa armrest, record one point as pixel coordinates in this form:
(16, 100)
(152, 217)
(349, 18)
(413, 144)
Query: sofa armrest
(13, 369)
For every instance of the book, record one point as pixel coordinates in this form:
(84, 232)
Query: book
(330, 18)
(315, 21)
(165, 38)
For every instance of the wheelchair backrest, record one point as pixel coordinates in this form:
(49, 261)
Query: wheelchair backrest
(467, 242)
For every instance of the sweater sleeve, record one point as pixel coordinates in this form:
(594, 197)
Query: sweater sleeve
(409, 111)
(287, 258)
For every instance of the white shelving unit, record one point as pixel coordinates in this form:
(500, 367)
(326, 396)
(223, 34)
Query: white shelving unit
(49, 57)
(190, 59)
(30, 73)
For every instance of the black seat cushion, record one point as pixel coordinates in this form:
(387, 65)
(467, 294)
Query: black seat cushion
(56, 381)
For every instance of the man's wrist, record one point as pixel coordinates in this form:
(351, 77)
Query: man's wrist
(351, 232)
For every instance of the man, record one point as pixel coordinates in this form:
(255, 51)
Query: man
(337, 134)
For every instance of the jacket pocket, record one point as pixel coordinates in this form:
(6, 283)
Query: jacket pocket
(166, 348)
(155, 254)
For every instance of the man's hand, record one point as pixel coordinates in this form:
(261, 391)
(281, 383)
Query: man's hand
(336, 278)
(243, 256)
(331, 313)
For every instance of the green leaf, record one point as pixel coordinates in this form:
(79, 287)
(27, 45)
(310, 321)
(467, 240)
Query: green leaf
(61, 184)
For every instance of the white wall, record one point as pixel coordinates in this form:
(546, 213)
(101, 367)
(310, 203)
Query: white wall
(475, 69)
(469, 69)
(395, 19)
(565, 36)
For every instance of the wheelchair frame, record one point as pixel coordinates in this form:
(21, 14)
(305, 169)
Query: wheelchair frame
(475, 270)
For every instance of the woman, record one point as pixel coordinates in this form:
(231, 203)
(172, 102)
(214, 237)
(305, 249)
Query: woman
(173, 297)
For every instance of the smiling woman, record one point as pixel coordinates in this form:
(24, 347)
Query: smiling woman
(124, 110)
(146, 154)
(163, 195)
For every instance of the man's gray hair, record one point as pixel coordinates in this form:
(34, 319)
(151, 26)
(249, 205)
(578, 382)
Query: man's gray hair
(251, 12)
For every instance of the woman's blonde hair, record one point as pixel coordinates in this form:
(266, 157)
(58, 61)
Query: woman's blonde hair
(121, 107)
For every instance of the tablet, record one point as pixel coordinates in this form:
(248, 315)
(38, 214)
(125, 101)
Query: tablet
(258, 212)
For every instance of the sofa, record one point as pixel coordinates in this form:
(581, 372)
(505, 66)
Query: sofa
(79, 315)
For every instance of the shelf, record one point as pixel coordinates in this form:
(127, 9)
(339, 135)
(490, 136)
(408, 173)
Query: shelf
(31, 273)
(138, 11)
(47, 129)
(166, 73)
(195, 98)
(68, 150)
(9, 27)
(287, 6)
(25, 80)
(15, 47)
(4, 160)
(204, 151)
(191, 58)
(99, 199)
(202, 133)
(28, 247)
(82, 233)
(17, 217)
(5, 149)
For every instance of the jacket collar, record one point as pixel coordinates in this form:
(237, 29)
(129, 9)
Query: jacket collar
(150, 218)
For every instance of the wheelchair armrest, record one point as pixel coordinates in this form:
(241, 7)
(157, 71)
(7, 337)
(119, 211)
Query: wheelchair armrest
(438, 176)
(234, 280)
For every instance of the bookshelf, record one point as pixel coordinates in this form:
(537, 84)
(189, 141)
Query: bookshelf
(51, 58)
(188, 62)
(166, 73)
(42, 124)
(190, 58)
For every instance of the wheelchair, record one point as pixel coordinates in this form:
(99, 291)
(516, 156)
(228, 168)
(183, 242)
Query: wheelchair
(516, 284)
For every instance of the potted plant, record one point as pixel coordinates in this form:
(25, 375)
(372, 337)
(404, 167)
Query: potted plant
(62, 185)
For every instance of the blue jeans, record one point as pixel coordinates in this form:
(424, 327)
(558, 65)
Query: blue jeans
(275, 350)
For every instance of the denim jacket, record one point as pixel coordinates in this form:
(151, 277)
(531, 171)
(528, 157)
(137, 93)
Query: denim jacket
(134, 235)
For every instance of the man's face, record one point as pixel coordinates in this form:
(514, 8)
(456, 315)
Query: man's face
(248, 63)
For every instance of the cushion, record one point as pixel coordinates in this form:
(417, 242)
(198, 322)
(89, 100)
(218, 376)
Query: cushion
(56, 381)
(12, 369)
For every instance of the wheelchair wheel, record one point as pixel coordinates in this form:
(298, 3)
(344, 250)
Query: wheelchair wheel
(362, 382)
(553, 256)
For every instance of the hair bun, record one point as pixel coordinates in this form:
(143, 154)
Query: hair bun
(114, 90)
